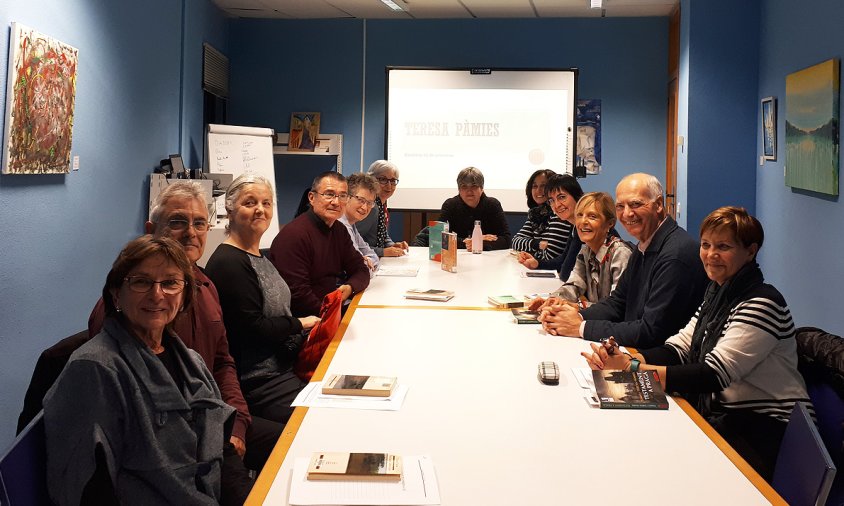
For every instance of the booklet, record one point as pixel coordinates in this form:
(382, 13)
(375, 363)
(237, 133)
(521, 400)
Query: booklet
(429, 294)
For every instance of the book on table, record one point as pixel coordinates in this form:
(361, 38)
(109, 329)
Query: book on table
(368, 386)
(339, 466)
(629, 390)
(435, 239)
(448, 261)
(525, 316)
(429, 294)
(506, 301)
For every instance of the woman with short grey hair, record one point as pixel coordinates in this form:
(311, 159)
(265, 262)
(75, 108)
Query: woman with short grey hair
(374, 228)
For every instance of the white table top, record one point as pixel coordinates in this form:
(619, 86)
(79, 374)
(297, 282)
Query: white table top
(477, 277)
(499, 437)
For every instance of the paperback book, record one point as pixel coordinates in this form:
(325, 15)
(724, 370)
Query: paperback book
(435, 239)
(506, 301)
(369, 386)
(355, 467)
(525, 316)
(430, 294)
(449, 252)
(629, 390)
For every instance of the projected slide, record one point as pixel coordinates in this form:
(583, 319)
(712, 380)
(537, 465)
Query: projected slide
(507, 123)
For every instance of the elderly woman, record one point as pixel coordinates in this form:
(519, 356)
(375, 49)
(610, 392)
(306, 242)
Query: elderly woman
(374, 228)
(136, 417)
(736, 359)
(264, 337)
(361, 201)
(543, 235)
(602, 258)
(563, 193)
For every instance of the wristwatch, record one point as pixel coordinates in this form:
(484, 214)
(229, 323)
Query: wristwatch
(634, 363)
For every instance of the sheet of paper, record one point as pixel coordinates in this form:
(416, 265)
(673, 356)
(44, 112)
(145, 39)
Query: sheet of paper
(407, 271)
(418, 486)
(312, 397)
(586, 381)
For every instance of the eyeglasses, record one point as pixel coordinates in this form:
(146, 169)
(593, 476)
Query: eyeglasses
(329, 196)
(385, 181)
(179, 224)
(362, 201)
(141, 284)
(560, 198)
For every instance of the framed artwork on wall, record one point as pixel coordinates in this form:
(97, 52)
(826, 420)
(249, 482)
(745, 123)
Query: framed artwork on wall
(811, 128)
(304, 129)
(40, 96)
(769, 128)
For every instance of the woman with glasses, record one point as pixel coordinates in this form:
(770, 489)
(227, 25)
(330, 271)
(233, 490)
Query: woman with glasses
(361, 201)
(263, 335)
(543, 235)
(136, 417)
(374, 228)
(563, 192)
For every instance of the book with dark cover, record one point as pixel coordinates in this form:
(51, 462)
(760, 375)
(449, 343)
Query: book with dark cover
(347, 384)
(355, 467)
(525, 316)
(629, 390)
(506, 301)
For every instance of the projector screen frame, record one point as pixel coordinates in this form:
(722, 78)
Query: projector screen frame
(571, 129)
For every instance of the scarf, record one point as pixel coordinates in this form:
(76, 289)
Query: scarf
(538, 216)
(382, 222)
(718, 302)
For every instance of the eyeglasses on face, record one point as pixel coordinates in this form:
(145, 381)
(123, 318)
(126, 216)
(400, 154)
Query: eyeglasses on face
(329, 196)
(559, 198)
(179, 224)
(142, 284)
(384, 181)
(362, 201)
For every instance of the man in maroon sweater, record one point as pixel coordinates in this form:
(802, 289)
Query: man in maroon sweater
(314, 254)
(180, 213)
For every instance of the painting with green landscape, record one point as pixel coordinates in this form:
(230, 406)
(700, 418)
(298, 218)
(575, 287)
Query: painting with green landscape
(811, 128)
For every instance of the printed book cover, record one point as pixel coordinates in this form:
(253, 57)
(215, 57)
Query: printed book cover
(429, 294)
(629, 390)
(525, 316)
(449, 253)
(506, 301)
(355, 467)
(435, 239)
(348, 384)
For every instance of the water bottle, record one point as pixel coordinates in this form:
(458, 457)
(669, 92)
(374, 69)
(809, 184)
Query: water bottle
(477, 238)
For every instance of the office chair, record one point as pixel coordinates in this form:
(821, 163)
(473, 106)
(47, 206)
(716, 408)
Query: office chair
(23, 469)
(804, 471)
(821, 362)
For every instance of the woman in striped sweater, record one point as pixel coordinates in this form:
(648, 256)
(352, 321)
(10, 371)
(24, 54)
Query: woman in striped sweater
(736, 360)
(543, 235)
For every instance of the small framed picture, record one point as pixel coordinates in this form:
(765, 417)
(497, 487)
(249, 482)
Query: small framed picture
(769, 128)
(304, 129)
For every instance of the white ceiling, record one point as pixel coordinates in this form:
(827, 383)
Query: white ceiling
(442, 9)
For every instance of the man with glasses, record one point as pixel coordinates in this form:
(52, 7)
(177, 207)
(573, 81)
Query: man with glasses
(180, 213)
(362, 192)
(374, 228)
(314, 254)
(662, 286)
(472, 204)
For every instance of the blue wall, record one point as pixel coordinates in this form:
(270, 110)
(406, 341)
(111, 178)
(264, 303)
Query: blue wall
(279, 67)
(804, 240)
(60, 233)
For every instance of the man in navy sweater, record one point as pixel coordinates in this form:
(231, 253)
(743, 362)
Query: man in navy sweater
(661, 287)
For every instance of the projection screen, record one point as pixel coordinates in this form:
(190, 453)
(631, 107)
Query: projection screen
(506, 122)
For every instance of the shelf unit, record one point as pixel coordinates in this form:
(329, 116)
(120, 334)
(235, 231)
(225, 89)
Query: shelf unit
(327, 145)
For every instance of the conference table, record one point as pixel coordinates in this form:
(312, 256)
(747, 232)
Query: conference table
(495, 434)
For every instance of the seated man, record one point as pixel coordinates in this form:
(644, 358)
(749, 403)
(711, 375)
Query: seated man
(472, 204)
(314, 254)
(661, 287)
(361, 202)
(180, 213)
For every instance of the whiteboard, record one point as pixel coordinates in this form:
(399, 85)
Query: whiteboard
(241, 150)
